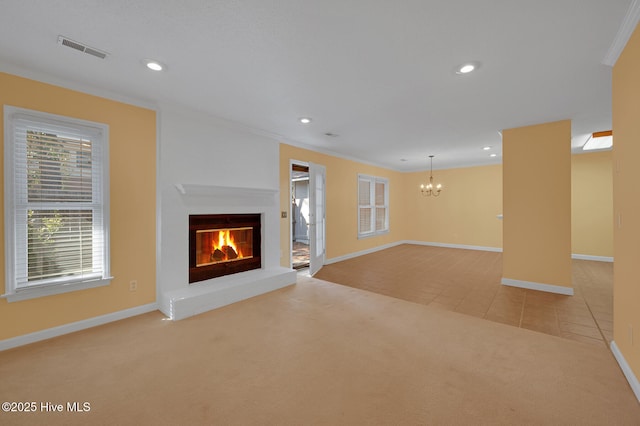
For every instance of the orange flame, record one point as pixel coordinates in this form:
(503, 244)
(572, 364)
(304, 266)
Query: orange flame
(225, 238)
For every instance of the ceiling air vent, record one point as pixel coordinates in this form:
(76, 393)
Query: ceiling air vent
(64, 41)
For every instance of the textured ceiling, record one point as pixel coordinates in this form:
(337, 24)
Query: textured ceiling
(379, 74)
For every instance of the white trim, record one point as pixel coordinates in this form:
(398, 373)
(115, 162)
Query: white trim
(49, 79)
(419, 243)
(49, 290)
(158, 207)
(626, 369)
(37, 336)
(455, 246)
(16, 238)
(625, 31)
(373, 206)
(292, 162)
(549, 288)
(223, 191)
(590, 257)
(361, 253)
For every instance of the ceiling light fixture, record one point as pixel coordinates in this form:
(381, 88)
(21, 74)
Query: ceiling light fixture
(599, 140)
(430, 189)
(486, 148)
(467, 68)
(304, 120)
(154, 65)
(493, 155)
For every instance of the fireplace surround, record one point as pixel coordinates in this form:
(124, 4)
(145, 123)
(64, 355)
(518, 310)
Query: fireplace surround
(178, 298)
(223, 244)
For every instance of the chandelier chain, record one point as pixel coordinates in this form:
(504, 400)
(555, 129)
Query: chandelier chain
(429, 189)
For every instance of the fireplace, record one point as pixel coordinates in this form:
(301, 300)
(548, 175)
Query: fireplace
(223, 244)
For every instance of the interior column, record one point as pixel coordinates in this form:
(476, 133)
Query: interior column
(537, 207)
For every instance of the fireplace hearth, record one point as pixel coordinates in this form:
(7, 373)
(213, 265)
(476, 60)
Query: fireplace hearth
(223, 244)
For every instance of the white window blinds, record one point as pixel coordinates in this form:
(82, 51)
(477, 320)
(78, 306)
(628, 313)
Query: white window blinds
(58, 209)
(364, 206)
(373, 205)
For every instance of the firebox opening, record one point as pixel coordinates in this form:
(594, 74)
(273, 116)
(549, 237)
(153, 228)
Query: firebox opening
(223, 244)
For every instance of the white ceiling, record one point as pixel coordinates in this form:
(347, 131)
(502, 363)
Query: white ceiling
(378, 73)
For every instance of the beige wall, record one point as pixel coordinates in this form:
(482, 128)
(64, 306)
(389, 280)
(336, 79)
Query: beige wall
(626, 202)
(592, 204)
(341, 192)
(537, 203)
(132, 157)
(464, 213)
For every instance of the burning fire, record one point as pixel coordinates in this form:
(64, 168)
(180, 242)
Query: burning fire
(226, 248)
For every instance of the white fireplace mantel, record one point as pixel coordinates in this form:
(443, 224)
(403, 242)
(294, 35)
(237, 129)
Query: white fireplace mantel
(178, 299)
(200, 190)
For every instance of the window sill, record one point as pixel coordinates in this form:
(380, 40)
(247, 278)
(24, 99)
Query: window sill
(36, 292)
(372, 234)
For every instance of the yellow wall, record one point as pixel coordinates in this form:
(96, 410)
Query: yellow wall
(537, 203)
(626, 202)
(592, 204)
(342, 207)
(464, 213)
(132, 156)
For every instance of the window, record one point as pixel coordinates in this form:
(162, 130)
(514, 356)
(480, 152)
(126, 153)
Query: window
(56, 204)
(373, 206)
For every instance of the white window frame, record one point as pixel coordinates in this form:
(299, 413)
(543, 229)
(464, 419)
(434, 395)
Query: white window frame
(15, 239)
(372, 205)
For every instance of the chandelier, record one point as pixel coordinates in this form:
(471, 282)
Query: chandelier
(430, 189)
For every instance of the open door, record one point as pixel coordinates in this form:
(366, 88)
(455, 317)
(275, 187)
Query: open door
(317, 178)
(300, 208)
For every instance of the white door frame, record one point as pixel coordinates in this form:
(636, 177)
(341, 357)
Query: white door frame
(317, 216)
(312, 236)
(289, 212)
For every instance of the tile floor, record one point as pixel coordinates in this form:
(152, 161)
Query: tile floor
(300, 255)
(468, 282)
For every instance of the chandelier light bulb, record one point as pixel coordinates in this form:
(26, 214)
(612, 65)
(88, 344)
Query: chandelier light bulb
(428, 190)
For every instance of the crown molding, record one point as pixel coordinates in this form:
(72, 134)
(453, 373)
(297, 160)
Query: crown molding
(627, 28)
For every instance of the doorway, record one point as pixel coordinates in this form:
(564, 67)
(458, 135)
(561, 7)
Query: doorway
(307, 215)
(299, 216)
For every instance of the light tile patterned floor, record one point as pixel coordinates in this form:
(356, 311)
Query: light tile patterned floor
(468, 282)
(300, 255)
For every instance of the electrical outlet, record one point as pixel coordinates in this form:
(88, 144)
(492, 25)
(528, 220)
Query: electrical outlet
(283, 215)
(133, 285)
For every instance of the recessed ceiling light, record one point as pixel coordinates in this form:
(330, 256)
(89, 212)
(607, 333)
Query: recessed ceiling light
(486, 148)
(467, 67)
(493, 155)
(154, 65)
(304, 120)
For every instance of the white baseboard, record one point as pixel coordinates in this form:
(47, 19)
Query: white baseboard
(361, 253)
(455, 246)
(549, 288)
(75, 326)
(415, 242)
(626, 370)
(590, 257)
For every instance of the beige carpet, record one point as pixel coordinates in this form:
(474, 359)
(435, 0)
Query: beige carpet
(318, 353)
